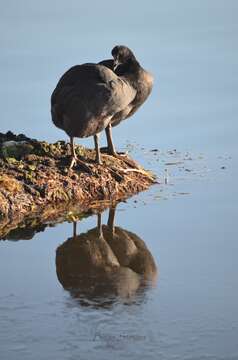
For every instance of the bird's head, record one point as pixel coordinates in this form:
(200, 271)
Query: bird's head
(122, 55)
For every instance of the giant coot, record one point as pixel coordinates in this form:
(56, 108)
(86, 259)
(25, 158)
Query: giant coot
(91, 97)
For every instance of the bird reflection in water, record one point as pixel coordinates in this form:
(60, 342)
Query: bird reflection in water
(105, 265)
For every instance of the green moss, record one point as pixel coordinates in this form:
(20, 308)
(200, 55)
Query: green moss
(16, 150)
(80, 150)
(32, 167)
(29, 177)
(11, 160)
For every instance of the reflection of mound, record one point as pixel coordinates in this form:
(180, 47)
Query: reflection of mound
(24, 233)
(102, 267)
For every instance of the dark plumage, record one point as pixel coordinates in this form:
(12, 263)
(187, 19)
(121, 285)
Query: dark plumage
(91, 97)
(85, 99)
(126, 66)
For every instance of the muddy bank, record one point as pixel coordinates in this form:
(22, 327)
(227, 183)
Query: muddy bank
(35, 175)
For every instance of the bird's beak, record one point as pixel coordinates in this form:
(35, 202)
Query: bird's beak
(115, 64)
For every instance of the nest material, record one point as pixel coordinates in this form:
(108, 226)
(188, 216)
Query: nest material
(35, 175)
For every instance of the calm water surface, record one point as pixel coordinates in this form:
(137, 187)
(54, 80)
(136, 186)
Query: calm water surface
(185, 305)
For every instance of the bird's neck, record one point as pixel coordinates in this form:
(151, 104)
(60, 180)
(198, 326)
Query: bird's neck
(129, 70)
(131, 65)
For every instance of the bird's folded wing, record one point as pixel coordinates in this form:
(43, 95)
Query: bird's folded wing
(95, 86)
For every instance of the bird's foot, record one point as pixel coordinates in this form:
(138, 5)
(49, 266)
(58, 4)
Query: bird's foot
(75, 160)
(112, 152)
(98, 160)
(104, 150)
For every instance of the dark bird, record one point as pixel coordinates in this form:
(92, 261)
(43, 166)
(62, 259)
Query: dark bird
(91, 97)
(127, 66)
(85, 99)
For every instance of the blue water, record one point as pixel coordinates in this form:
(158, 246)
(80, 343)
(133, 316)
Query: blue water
(188, 224)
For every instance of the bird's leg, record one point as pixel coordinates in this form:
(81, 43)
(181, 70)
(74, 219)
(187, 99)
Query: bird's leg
(112, 150)
(73, 154)
(110, 145)
(99, 226)
(74, 229)
(75, 159)
(111, 219)
(97, 149)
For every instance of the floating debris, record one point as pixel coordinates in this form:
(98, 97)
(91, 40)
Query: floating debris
(154, 150)
(174, 163)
